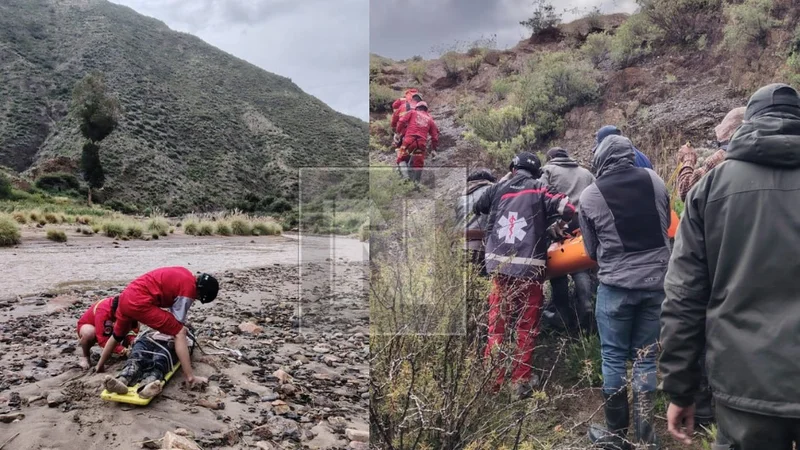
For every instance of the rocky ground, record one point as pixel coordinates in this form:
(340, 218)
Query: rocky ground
(285, 347)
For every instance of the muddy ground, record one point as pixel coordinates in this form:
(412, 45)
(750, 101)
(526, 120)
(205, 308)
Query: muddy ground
(308, 319)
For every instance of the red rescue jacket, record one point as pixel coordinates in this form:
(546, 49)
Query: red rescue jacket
(417, 126)
(403, 105)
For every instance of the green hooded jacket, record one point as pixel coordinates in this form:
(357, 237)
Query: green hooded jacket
(733, 282)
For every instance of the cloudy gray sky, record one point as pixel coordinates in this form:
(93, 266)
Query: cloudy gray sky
(400, 29)
(322, 45)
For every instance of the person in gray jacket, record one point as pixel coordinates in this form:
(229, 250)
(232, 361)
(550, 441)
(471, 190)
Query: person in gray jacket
(565, 175)
(624, 219)
(474, 225)
(732, 284)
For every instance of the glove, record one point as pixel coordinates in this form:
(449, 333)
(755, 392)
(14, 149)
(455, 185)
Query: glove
(687, 156)
(556, 231)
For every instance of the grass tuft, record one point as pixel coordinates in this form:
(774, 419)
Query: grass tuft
(223, 229)
(56, 235)
(240, 226)
(158, 225)
(9, 231)
(205, 229)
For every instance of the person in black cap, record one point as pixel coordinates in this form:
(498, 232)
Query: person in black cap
(516, 256)
(731, 285)
(565, 175)
(640, 159)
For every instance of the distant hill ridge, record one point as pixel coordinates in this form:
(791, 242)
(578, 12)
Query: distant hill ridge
(200, 129)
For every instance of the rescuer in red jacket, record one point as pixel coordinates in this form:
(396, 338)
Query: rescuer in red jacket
(96, 326)
(171, 288)
(401, 107)
(416, 126)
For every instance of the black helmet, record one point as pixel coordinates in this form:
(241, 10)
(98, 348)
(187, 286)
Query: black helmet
(207, 288)
(528, 161)
(481, 174)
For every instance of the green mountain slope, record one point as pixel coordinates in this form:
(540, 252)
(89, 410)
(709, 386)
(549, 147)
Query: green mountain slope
(201, 129)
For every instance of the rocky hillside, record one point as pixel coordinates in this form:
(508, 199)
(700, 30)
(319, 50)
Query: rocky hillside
(200, 127)
(665, 75)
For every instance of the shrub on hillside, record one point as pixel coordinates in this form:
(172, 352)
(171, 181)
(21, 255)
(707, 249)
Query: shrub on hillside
(381, 97)
(501, 87)
(5, 186)
(51, 217)
(633, 40)
(473, 65)
(417, 70)
(681, 21)
(597, 47)
(451, 61)
(544, 17)
(56, 235)
(552, 85)
(58, 182)
(748, 24)
(122, 207)
(496, 124)
(9, 231)
(20, 217)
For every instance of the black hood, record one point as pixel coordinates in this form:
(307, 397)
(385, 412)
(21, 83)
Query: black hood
(770, 134)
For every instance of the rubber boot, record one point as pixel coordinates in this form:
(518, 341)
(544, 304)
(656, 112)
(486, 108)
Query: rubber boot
(614, 435)
(644, 420)
(403, 168)
(556, 313)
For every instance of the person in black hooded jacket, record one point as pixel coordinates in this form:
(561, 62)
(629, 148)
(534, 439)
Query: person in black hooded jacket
(520, 210)
(731, 285)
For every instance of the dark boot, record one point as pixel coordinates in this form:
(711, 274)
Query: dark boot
(614, 435)
(556, 313)
(644, 419)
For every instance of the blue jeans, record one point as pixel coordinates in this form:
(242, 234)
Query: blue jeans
(628, 324)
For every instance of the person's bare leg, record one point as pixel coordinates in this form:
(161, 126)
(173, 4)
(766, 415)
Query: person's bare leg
(117, 385)
(87, 340)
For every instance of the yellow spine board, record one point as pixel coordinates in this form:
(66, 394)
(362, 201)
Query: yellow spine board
(132, 397)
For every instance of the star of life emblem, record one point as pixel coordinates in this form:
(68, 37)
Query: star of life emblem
(512, 228)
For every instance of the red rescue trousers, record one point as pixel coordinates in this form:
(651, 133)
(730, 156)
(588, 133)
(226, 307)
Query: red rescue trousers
(521, 300)
(412, 150)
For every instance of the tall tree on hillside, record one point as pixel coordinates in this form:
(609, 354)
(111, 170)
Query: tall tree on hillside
(99, 113)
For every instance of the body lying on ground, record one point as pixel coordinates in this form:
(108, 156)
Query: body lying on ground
(152, 357)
